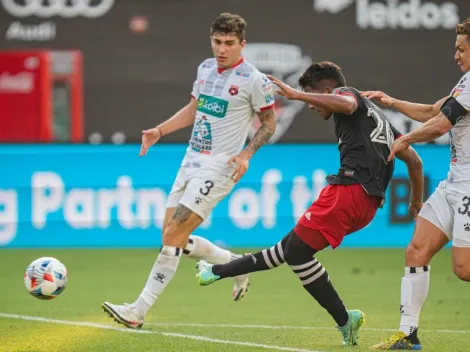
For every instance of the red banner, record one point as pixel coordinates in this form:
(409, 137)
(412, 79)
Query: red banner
(25, 97)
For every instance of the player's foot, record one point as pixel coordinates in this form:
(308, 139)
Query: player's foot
(350, 331)
(399, 341)
(125, 315)
(205, 276)
(240, 287)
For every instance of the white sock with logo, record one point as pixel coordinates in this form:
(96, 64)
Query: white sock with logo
(414, 290)
(160, 276)
(200, 248)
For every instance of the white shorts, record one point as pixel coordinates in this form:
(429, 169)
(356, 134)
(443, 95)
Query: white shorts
(448, 208)
(200, 189)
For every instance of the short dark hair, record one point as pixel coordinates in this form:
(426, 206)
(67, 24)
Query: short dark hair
(228, 23)
(322, 71)
(464, 27)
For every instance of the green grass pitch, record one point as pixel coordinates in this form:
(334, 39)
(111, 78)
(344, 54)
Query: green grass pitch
(277, 314)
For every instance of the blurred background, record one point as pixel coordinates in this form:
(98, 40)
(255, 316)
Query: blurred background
(80, 79)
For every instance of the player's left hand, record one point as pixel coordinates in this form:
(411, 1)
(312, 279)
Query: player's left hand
(397, 146)
(284, 89)
(415, 207)
(242, 162)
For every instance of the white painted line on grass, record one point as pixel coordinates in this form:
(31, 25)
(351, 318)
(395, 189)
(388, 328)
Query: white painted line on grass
(291, 327)
(184, 336)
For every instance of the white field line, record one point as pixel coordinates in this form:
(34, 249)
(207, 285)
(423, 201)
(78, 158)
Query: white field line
(291, 327)
(171, 334)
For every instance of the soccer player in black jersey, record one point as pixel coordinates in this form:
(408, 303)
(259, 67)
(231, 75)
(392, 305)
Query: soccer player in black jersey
(349, 201)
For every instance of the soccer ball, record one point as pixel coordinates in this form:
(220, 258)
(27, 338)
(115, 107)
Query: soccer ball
(46, 278)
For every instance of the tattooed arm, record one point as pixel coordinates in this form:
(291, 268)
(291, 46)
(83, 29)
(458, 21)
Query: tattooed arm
(261, 137)
(264, 132)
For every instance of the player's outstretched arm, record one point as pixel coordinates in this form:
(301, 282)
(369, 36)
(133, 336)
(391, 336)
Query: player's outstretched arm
(261, 137)
(415, 172)
(335, 103)
(415, 111)
(452, 111)
(183, 118)
(434, 128)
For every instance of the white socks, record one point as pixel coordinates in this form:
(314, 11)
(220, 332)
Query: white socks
(199, 248)
(161, 274)
(414, 290)
(167, 262)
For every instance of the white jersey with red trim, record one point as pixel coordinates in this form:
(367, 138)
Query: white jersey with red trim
(227, 101)
(460, 134)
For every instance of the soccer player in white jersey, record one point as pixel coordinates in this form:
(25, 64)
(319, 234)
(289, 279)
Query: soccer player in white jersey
(227, 94)
(446, 214)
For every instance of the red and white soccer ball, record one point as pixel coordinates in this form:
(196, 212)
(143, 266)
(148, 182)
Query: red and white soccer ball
(46, 278)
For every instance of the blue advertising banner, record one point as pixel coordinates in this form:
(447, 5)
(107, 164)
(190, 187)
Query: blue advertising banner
(106, 196)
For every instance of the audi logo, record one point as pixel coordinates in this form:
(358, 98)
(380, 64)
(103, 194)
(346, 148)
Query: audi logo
(62, 8)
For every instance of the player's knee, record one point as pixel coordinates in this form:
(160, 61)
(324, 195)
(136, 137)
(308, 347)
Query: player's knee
(296, 251)
(462, 271)
(173, 236)
(417, 254)
(290, 255)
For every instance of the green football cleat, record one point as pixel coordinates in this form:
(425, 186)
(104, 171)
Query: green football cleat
(205, 276)
(350, 331)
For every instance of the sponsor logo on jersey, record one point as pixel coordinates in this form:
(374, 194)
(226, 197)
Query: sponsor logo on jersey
(242, 74)
(453, 150)
(201, 140)
(456, 92)
(233, 90)
(269, 98)
(212, 106)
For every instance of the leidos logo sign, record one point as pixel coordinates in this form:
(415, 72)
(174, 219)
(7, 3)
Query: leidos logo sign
(46, 9)
(392, 14)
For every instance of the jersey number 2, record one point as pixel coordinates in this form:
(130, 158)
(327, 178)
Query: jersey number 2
(382, 133)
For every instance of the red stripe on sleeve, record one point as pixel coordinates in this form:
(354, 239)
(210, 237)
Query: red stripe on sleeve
(348, 94)
(267, 107)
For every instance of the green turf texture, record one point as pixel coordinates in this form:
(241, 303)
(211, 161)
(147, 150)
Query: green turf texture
(366, 279)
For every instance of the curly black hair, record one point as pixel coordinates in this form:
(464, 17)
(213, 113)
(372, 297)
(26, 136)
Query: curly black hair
(321, 71)
(228, 23)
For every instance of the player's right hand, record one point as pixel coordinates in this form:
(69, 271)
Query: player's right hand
(149, 138)
(414, 208)
(379, 96)
(242, 162)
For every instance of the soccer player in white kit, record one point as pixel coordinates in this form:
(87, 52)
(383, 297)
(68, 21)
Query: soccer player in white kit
(446, 214)
(227, 94)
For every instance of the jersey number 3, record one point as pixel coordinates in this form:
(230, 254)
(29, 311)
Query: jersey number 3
(205, 191)
(464, 209)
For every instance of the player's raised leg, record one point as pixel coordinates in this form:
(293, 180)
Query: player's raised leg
(428, 239)
(315, 280)
(263, 260)
(299, 256)
(199, 248)
(175, 236)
